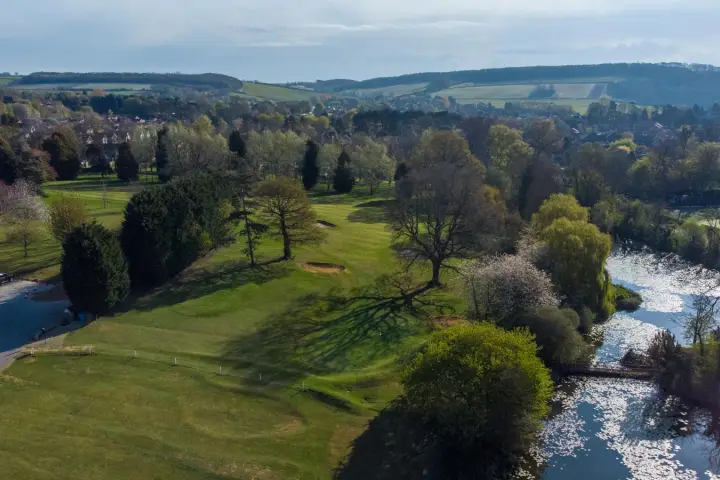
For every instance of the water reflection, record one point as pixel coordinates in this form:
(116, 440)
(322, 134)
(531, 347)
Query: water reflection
(614, 428)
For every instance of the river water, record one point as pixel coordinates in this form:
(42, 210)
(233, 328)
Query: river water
(624, 429)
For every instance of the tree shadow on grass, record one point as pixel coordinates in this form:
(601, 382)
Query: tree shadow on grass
(400, 444)
(395, 445)
(375, 211)
(200, 282)
(322, 334)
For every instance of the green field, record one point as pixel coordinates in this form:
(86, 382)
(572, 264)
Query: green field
(307, 359)
(43, 262)
(73, 87)
(467, 93)
(394, 91)
(5, 80)
(276, 93)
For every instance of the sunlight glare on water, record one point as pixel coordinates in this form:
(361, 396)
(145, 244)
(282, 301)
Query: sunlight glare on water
(615, 428)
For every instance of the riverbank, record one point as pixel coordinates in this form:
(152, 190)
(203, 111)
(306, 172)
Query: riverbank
(22, 316)
(608, 428)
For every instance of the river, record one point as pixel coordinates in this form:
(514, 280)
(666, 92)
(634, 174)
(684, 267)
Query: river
(621, 429)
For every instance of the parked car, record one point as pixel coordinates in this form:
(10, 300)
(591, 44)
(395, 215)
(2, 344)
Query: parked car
(5, 278)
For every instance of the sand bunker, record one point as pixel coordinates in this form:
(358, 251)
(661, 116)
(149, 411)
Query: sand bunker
(324, 224)
(441, 323)
(326, 268)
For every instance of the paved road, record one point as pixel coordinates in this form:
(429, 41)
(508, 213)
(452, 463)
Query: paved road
(21, 317)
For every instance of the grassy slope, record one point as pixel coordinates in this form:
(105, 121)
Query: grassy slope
(6, 80)
(276, 93)
(113, 416)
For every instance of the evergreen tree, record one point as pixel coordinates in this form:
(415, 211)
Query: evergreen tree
(161, 155)
(236, 144)
(400, 172)
(8, 163)
(343, 180)
(64, 157)
(94, 271)
(126, 166)
(311, 170)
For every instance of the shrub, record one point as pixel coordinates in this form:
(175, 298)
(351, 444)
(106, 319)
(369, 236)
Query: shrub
(482, 388)
(556, 333)
(626, 299)
(94, 271)
(66, 214)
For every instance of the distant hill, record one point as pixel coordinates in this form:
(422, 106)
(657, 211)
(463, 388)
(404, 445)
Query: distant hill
(643, 83)
(204, 80)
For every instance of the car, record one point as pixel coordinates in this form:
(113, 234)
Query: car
(5, 278)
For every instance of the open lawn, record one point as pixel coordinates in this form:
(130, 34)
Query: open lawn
(43, 262)
(307, 360)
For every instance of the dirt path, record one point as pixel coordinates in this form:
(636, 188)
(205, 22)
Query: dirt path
(21, 317)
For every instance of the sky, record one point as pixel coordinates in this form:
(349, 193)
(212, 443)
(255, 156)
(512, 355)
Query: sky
(306, 40)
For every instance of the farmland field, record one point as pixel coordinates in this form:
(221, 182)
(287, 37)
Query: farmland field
(276, 93)
(86, 86)
(461, 94)
(307, 360)
(6, 80)
(395, 90)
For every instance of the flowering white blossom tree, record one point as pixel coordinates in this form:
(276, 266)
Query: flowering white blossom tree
(24, 212)
(500, 288)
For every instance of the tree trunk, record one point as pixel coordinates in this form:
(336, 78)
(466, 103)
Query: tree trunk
(25, 245)
(250, 241)
(435, 282)
(287, 254)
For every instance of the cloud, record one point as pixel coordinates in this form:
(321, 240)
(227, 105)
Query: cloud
(278, 40)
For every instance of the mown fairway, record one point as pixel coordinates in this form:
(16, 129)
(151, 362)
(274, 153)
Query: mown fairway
(307, 359)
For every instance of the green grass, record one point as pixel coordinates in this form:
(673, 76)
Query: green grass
(394, 90)
(276, 93)
(307, 360)
(43, 262)
(466, 93)
(5, 80)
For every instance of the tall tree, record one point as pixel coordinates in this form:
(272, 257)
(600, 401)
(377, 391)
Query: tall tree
(126, 166)
(343, 179)
(161, 154)
(484, 391)
(287, 208)
(8, 163)
(94, 272)
(310, 170)
(64, 156)
(236, 144)
(442, 210)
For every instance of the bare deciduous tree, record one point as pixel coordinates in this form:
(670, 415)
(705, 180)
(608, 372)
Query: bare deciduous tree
(442, 209)
(701, 322)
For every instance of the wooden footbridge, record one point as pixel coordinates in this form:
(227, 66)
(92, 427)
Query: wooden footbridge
(586, 370)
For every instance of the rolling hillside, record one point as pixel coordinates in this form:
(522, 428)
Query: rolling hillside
(646, 84)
